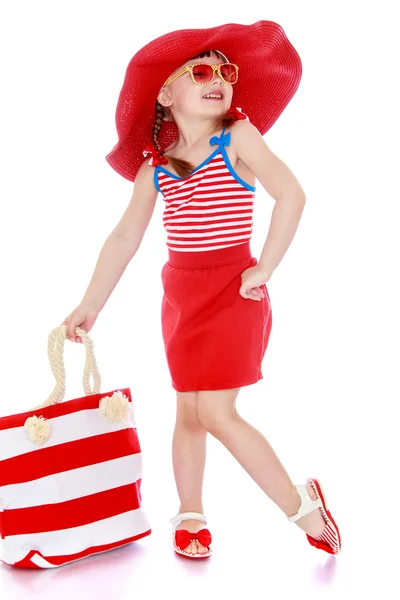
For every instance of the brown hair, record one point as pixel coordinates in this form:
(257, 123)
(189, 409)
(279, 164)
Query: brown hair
(183, 167)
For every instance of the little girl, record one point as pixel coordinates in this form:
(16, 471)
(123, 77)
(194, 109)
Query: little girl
(198, 103)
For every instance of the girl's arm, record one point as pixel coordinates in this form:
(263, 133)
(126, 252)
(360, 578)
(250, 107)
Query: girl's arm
(124, 241)
(280, 183)
(136, 218)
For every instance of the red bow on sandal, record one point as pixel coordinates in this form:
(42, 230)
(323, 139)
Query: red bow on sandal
(184, 537)
(181, 538)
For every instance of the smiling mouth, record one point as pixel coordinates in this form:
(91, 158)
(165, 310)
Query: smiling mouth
(213, 97)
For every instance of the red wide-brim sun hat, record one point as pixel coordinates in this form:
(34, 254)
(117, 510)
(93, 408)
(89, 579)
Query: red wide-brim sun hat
(269, 75)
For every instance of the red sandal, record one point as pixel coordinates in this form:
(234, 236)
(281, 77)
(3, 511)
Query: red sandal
(181, 538)
(329, 540)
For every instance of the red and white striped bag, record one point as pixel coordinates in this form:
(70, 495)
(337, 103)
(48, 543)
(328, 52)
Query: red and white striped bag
(70, 472)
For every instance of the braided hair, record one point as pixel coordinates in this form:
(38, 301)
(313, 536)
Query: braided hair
(183, 167)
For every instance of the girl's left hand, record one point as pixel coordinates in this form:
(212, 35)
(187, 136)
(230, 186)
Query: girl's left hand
(252, 278)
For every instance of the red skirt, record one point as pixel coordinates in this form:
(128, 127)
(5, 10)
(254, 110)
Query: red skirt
(214, 338)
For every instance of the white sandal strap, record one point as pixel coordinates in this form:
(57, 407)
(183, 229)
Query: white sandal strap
(186, 516)
(307, 503)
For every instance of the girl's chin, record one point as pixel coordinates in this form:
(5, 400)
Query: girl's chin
(217, 108)
(214, 102)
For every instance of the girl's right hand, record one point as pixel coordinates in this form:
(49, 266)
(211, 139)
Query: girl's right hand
(83, 316)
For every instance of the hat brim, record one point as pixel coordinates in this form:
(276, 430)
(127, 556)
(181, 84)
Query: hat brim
(270, 73)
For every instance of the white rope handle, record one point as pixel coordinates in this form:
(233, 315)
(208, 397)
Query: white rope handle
(55, 351)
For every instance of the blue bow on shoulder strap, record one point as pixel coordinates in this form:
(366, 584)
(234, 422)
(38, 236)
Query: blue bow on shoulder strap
(223, 140)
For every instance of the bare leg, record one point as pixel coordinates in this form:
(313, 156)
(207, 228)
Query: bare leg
(217, 413)
(188, 458)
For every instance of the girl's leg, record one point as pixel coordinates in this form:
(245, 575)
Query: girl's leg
(188, 458)
(217, 413)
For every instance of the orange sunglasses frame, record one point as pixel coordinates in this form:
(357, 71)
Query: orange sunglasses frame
(215, 68)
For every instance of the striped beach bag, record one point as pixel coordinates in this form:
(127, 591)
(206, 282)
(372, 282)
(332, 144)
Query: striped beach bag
(70, 472)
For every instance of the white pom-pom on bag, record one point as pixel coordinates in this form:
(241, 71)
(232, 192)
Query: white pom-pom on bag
(115, 408)
(38, 429)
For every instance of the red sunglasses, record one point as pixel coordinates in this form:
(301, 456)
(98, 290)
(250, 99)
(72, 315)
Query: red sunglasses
(203, 73)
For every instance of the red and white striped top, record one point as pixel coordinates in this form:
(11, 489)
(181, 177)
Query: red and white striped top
(209, 209)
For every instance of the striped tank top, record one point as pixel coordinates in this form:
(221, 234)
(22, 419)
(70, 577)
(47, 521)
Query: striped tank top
(211, 208)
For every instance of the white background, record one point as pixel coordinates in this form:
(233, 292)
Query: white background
(330, 393)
